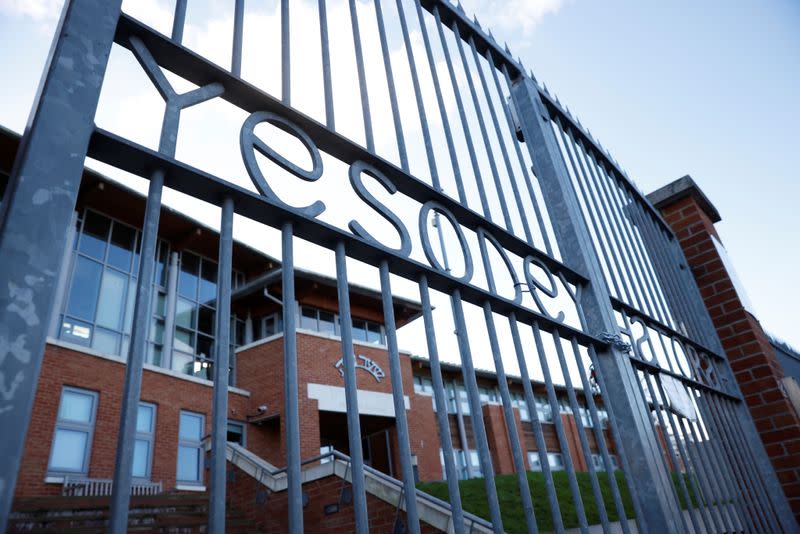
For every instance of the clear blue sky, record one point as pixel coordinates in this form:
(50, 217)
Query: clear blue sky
(671, 88)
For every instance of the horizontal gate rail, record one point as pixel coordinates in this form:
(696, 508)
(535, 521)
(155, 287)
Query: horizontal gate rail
(137, 159)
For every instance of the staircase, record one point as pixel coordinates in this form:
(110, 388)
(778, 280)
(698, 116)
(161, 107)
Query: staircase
(174, 513)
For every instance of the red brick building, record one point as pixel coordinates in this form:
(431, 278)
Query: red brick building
(73, 431)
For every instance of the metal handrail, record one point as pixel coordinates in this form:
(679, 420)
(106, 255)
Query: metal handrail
(336, 455)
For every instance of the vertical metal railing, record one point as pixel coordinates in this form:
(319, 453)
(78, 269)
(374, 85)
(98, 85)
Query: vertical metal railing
(599, 225)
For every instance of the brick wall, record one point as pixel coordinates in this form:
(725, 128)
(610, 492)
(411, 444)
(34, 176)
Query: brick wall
(752, 358)
(65, 367)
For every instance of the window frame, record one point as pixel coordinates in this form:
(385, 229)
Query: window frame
(75, 426)
(149, 437)
(196, 444)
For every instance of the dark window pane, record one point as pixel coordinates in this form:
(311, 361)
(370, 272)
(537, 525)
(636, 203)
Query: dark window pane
(205, 321)
(373, 332)
(326, 322)
(85, 285)
(122, 242)
(161, 266)
(236, 433)
(208, 284)
(308, 319)
(95, 235)
(204, 345)
(187, 280)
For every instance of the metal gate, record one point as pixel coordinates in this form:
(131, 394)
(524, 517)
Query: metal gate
(543, 249)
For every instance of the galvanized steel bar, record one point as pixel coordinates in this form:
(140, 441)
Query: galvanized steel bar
(501, 140)
(423, 118)
(45, 177)
(123, 467)
(326, 65)
(541, 445)
(642, 266)
(468, 373)
(179, 20)
(600, 437)
(617, 437)
(522, 164)
(463, 117)
(604, 203)
(291, 393)
(482, 125)
(622, 392)
(569, 466)
(720, 464)
(451, 149)
(695, 466)
(442, 419)
(362, 78)
(351, 392)
(222, 350)
(286, 54)
(583, 440)
(238, 31)
(600, 231)
(511, 424)
(750, 474)
(694, 509)
(387, 67)
(398, 397)
(735, 459)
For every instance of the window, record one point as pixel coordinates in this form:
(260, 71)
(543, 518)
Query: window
(236, 433)
(534, 462)
(452, 390)
(518, 401)
(544, 410)
(556, 461)
(597, 462)
(586, 416)
(195, 316)
(423, 385)
(143, 446)
(460, 460)
(98, 309)
(72, 440)
(487, 394)
(271, 325)
(190, 437)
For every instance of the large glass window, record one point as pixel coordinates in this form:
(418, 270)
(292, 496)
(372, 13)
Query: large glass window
(72, 439)
(195, 316)
(487, 394)
(98, 310)
(534, 462)
(518, 401)
(544, 410)
(143, 446)
(190, 437)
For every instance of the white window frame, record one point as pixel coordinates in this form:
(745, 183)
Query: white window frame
(77, 427)
(149, 437)
(198, 444)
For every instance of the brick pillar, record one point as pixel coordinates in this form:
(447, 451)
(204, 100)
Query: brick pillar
(753, 360)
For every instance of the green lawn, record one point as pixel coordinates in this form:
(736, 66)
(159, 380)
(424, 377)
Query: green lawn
(473, 499)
